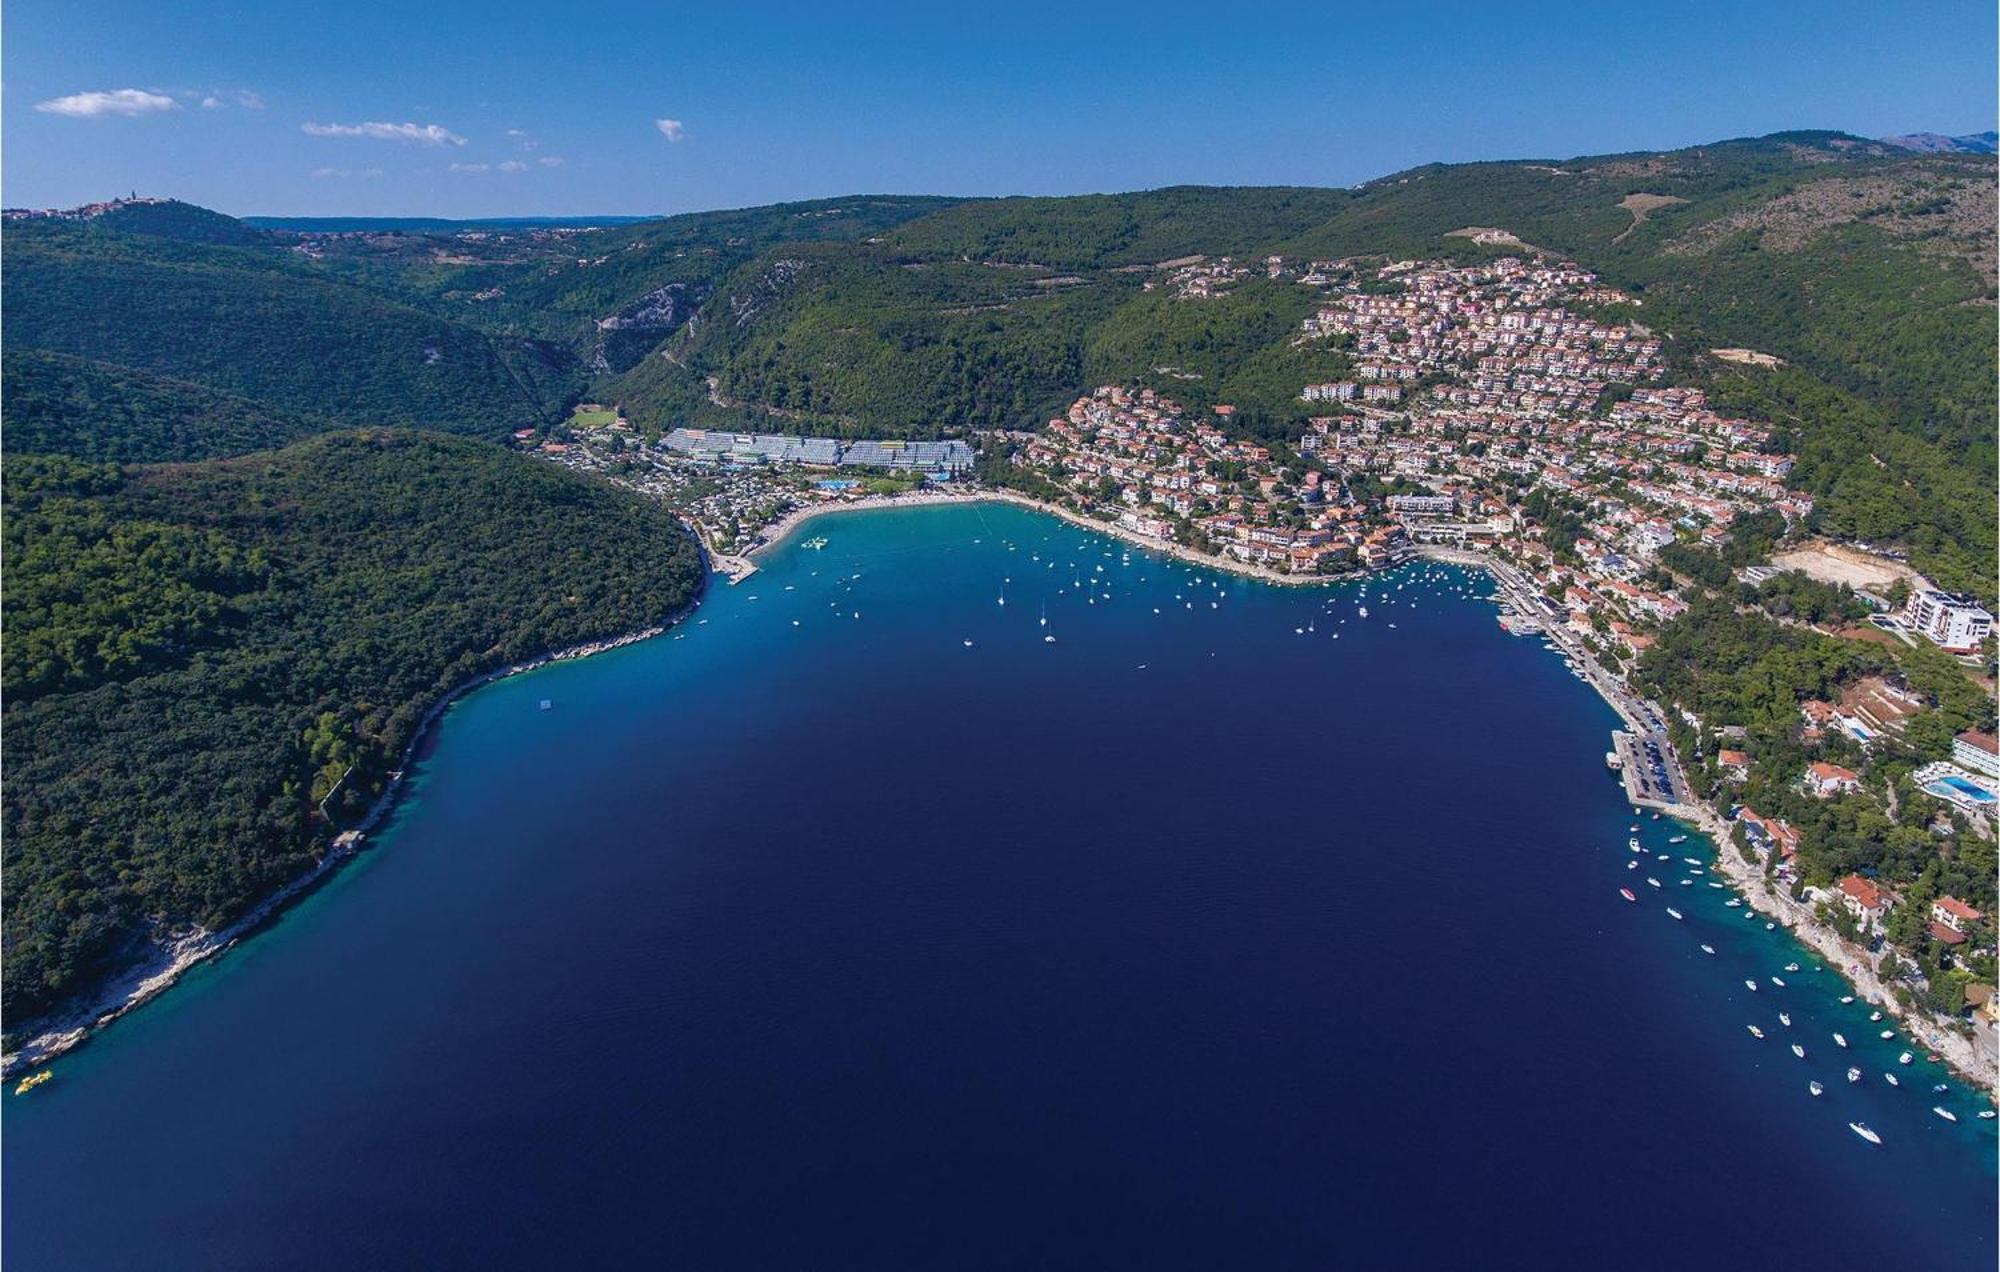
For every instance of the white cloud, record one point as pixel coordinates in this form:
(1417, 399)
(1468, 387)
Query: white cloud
(513, 165)
(248, 100)
(227, 96)
(671, 129)
(117, 101)
(347, 172)
(428, 134)
(470, 167)
(517, 132)
(550, 161)
(211, 102)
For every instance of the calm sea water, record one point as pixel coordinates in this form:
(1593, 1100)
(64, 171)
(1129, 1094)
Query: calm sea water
(811, 937)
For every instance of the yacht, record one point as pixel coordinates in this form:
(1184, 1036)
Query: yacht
(1905, 1058)
(1987, 1115)
(1651, 880)
(1755, 1032)
(1798, 1051)
(1944, 1112)
(1854, 1075)
(1750, 985)
(1627, 894)
(1861, 1129)
(1891, 1079)
(1840, 1040)
(1679, 839)
(1785, 1019)
(1675, 913)
(1708, 949)
(1815, 1088)
(1779, 981)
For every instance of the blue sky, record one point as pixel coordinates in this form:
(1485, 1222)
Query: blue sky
(448, 108)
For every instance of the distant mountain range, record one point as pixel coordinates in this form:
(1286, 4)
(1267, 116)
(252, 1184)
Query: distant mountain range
(1934, 143)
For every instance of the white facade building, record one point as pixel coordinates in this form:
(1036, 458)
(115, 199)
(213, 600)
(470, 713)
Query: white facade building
(1949, 620)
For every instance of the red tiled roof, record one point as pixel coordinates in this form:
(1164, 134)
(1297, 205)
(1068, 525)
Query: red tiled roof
(1864, 891)
(1957, 908)
(1941, 933)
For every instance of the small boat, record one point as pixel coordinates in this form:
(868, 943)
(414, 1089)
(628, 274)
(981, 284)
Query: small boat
(1770, 927)
(1674, 912)
(1692, 861)
(1631, 843)
(1854, 1075)
(1708, 949)
(968, 644)
(1891, 1079)
(1861, 1129)
(1631, 865)
(1634, 827)
(1942, 1086)
(1687, 883)
(1848, 999)
(1652, 881)
(1815, 1088)
(1785, 1019)
(1678, 839)
(1987, 1115)
(1627, 894)
(34, 1080)
(1874, 1015)
(1888, 1034)
(1779, 981)
(1905, 1058)
(1755, 1032)
(547, 705)
(1840, 1039)
(1733, 902)
(1791, 967)
(1750, 985)
(1798, 1051)
(1944, 1112)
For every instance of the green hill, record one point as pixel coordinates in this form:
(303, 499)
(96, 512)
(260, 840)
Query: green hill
(197, 653)
(1867, 268)
(57, 404)
(248, 323)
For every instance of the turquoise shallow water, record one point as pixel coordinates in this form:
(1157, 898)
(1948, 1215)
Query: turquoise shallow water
(1247, 931)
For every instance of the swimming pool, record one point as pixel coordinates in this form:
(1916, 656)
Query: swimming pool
(1960, 787)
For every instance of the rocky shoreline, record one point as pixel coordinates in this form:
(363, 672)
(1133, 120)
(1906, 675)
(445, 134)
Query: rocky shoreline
(171, 955)
(1953, 1049)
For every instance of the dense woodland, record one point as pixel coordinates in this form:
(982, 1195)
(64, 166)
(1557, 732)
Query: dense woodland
(201, 638)
(197, 653)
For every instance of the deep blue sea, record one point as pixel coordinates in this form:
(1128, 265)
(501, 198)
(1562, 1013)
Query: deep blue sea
(1231, 929)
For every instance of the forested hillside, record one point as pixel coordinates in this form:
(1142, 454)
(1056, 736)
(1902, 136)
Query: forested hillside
(246, 322)
(196, 654)
(1869, 270)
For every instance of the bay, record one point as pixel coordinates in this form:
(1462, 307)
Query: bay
(1231, 928)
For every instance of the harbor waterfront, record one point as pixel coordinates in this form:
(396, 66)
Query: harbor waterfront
(857, 922)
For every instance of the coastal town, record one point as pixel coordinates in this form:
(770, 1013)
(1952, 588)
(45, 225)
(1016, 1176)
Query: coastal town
(1493, 413)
